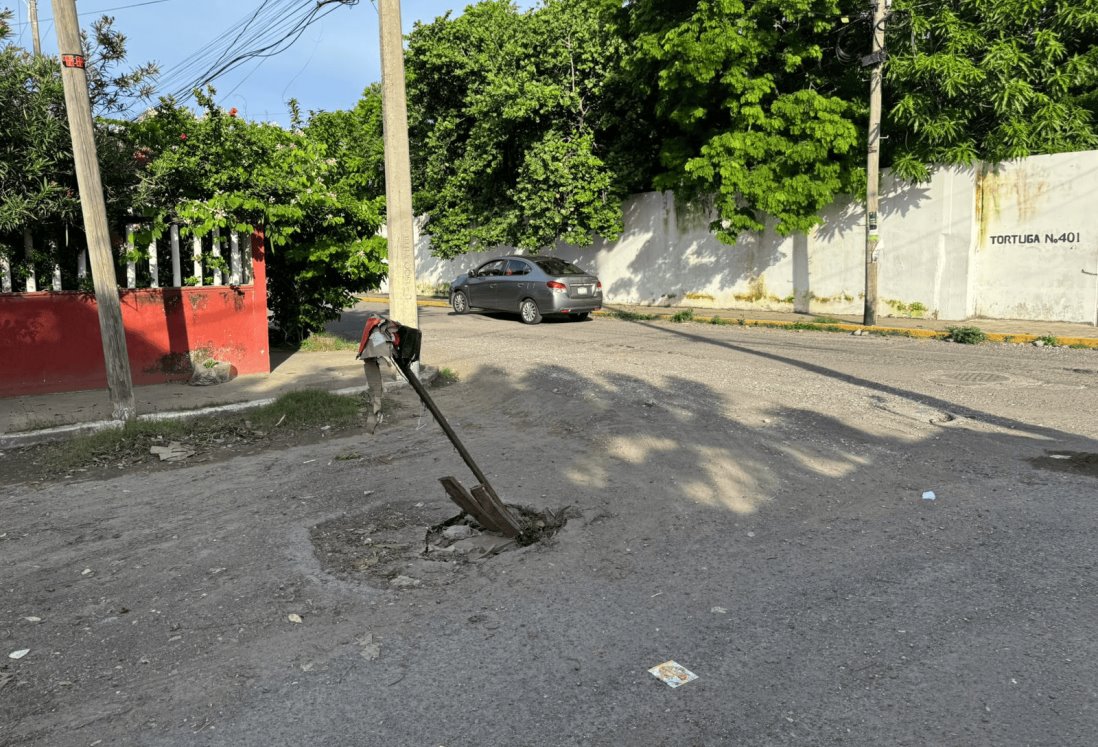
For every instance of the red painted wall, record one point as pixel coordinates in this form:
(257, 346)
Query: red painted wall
(49, 342)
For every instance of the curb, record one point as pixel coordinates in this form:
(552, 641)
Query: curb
(926, 334)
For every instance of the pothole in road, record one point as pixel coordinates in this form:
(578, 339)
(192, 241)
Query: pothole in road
(914, 411)
(1074, 462)
(399, 546)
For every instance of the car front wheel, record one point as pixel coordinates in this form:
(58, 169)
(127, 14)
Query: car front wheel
(460, 303)
(529, 312)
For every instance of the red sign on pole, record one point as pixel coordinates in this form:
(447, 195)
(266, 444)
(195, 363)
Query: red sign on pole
(73, 60)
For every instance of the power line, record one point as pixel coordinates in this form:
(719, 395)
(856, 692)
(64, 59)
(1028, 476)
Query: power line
(220, 60)
(284, 42)
(253, 41)
(205, 54)
(104, 10)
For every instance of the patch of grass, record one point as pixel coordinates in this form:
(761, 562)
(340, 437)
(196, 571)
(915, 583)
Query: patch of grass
(1049, 341)
(720, 322)
(966, 335)
(630, 316)
(111, 445)
(307, 408)
(826, 320)
(445, 377)
(813, 327)
(1079, 346)
(686, 315)
(322, 342)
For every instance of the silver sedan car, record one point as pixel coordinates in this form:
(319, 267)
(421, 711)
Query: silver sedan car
(531, 286)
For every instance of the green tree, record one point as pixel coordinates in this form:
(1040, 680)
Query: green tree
(755, 112)
(512, 126)
(990, 80)
(36, 168)
(38, 191)
(319, 214)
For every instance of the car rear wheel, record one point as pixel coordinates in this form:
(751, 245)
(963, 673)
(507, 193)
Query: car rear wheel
(580, 316)
(460, 303)
(529, 311)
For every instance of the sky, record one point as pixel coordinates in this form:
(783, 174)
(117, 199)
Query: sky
(327, 68)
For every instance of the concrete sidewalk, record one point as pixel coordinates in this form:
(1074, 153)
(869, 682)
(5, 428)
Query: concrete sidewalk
(42, 417)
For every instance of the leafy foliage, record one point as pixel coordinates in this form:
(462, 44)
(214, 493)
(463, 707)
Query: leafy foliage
(993, 80)
(36, 168)
(511, 118)
(530, 127)
(38, 191)
(113, 91)
(320, 214)
(966, 335)
(757, 116)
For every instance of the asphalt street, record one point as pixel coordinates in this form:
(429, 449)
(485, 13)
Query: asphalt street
(746, 502)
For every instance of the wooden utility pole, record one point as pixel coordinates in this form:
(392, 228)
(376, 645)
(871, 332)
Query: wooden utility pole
(872, 202)
(32, 12)
(398, 176)
(74, 78)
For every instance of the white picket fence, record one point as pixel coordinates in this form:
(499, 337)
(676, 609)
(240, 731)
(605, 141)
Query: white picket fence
(194, 253)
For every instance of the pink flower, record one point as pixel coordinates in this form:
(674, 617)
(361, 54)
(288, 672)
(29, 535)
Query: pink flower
(183, 136)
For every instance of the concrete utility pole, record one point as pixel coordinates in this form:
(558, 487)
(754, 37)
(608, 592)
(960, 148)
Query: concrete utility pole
(28, 237)
(32, 12)
(398, 176)
(73, 77)
(872, 237)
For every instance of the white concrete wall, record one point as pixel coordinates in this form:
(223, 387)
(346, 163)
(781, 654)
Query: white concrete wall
(940, 255)
(927, 230)
(1036, 249)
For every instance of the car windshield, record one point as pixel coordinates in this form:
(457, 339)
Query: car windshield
(554, 266)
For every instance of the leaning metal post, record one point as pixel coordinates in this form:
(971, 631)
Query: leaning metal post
(430, 403)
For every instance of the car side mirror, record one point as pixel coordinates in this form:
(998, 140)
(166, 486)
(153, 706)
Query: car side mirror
(472, 273)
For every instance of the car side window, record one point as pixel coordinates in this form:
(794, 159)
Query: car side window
(516, 267)
(491, 268)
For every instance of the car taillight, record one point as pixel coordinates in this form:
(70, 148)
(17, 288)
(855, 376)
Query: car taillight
(557, 287)
(598, 285)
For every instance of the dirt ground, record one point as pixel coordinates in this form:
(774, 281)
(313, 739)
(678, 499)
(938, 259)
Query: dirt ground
(748, 503)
